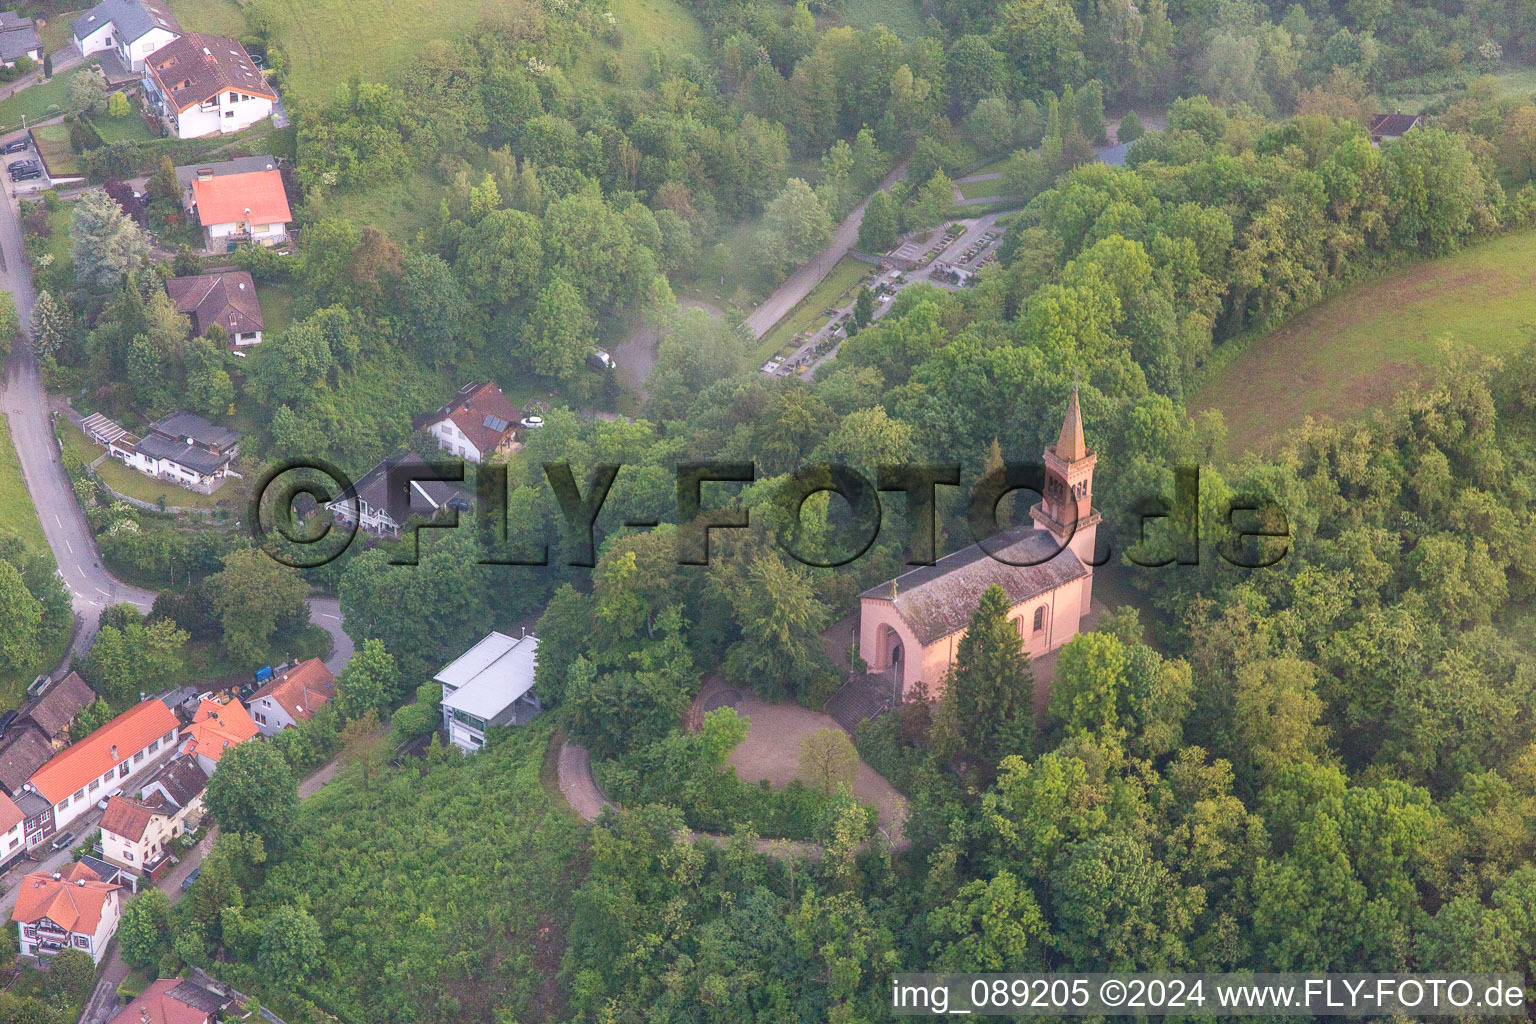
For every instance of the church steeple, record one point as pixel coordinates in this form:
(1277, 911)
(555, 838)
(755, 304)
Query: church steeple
(1070, 445)
(1066, 508)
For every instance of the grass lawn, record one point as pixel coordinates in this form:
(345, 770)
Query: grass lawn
(401, 206)
(217, 17)
(117, 129)
(1358, 349)
(644, 25)
(832, 291)
(903, 17)
(53, 144)
(38, 101)
(276, 309)
(55, 32)
(136, 485)
(16, 511)
(977, 189)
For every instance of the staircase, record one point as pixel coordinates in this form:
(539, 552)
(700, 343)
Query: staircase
(863, 696)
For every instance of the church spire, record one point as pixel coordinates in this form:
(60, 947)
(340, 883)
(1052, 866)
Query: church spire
(1070, 445)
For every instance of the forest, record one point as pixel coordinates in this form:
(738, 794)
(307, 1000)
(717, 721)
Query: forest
(1325, 764)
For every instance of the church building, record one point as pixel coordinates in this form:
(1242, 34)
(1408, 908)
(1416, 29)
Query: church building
(910, 627)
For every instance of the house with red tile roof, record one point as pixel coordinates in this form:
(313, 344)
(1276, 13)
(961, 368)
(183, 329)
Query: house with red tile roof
(12, 830)
(173, 1001)
(292, 697)
(477, 423)
(136, 830)
(58, 911)
(206, 85)
(214, 729)
(103, 762)
(236, 209)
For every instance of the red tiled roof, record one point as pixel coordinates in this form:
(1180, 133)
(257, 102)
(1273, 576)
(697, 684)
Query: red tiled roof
(10, 814)
(128, 818)
(157, 1005)
(256, 197)
(301, 690)
(130, 732)
(197, 67)
(74, 901)
(215, 727)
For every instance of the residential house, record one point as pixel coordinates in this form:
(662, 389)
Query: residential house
(18, 39)
(489, 685)
(24, 750)
(206, 85)
(238, 209)
(369, 503)
(227, 299)
(215, 728)
(292, 696)
(173, 1001)
(102, 763)
(188, 173)
(131, 29)
(477, 423)
(12, 830)
(1388, 127)
(910, 627)
(136, 830)
(183, 448)
(58, 911)
(54, 712)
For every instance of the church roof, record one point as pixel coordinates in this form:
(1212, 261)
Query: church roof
(1070, 445)
(937, 600)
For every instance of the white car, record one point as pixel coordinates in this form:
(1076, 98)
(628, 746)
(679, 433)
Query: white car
(102, 803)
(531, 422)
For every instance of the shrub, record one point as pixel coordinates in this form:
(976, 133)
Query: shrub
(1130, 128)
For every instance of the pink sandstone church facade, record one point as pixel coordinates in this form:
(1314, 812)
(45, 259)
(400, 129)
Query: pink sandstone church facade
(910, 627)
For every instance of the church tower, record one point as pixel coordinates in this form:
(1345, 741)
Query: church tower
(1066, 509)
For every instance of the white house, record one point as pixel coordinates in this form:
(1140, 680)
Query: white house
(369, 504)
(206, 85)
(292, 696)
(13, 821)
(135, 832)
(78, 776)
(132, 29)
(18, 39)
(183, 448)
(489, 685)
(250, 208)
(478, 422)
(58, 911)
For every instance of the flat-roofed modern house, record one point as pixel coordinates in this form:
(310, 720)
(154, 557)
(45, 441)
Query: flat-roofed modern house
(18, 39)
(206, 85)
(227, 299)
(183, 448)
(131, 29)
(489, 685)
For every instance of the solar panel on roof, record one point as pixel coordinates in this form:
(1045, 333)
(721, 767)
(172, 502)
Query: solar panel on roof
(496, 423)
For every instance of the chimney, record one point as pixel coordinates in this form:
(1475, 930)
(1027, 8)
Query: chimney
(205, 174)
(80, 882)
(57, 876)
(114, 751)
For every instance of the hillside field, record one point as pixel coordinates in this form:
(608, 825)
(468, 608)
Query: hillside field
(1356, 350)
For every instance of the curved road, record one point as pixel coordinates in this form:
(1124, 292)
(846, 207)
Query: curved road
(25, 402)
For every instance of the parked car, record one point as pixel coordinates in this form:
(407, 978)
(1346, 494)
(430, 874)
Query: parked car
(6, 720)
(63, 841)
(27, 174)
(531, 422)
(20, 145)
(102, 803)
(599, 359)
(17, 165)
(186, 883)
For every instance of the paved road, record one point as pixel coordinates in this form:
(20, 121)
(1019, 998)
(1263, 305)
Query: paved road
(25, 402)
(809, 275)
